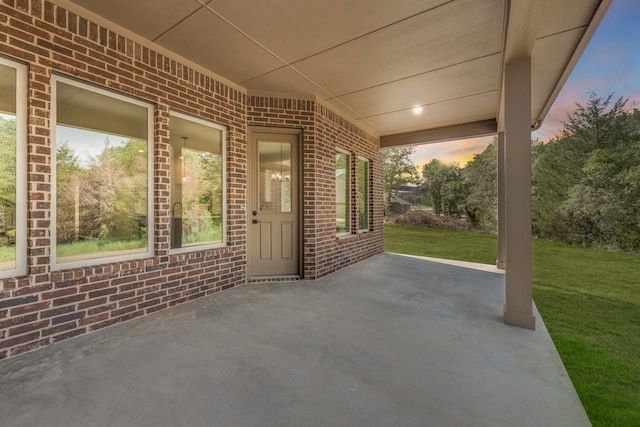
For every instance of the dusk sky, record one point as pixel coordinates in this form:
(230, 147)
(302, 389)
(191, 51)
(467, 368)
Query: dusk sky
(609, 64)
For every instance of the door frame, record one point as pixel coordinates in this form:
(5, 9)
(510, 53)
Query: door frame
(251, 165)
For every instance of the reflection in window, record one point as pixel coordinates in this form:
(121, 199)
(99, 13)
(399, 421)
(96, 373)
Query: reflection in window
(102, 175)
(12, 165)
(275, 176)
(197, 182)
(343, 189)
(363, 194)
(7, 191)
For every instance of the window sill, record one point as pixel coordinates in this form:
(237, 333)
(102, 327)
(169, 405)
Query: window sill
(88, 261)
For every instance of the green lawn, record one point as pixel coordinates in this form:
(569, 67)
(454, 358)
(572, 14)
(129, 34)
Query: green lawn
(7, 253)
(590, 302)
(98, 246)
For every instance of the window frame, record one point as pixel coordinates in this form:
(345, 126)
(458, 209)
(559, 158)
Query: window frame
(223, 214)
(55, 265)
(367, 195)
(348, 189)
(20, 268)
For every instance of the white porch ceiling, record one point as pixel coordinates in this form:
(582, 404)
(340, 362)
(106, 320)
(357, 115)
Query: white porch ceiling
(372, 60)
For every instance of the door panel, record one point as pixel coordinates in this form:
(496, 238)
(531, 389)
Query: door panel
(273, 207)
(265, 241)
(287, 240)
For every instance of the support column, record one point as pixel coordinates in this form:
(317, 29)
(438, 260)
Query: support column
(518, 307)
(501, 263)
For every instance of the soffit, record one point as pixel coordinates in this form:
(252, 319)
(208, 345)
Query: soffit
(467, 109)
(372, 60)
(148, 18)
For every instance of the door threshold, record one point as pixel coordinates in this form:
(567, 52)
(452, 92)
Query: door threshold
(283, 278)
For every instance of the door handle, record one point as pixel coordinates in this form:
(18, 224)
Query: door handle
(254, 221)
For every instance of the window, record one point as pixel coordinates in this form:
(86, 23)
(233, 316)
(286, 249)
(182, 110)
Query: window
(274, 184)
(363, 194)
(197, 183)
(102, 177)
(13, 199)
(343, 191)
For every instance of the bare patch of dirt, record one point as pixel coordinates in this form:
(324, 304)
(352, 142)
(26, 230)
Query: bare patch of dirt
(427, 219)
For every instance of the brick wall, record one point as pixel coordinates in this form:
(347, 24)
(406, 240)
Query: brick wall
(332, 253)
(47, 306)
(44, 306)
(323, 131)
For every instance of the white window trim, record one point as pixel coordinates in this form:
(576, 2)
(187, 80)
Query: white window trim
(21, 170)
(150, 170)
(348, 217)
(366, 161)
(222, 244)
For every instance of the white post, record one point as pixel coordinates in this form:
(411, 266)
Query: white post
(518, 308)
(501, 263)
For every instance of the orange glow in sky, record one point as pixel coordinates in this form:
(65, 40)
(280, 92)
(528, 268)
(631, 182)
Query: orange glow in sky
(460, 151)
(609, 65)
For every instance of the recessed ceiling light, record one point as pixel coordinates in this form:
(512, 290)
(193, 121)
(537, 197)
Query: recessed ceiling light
(417, 110)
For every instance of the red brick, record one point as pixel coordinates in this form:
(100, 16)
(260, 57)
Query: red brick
(12, 342)
(92, 303)
(29, 327)
(62, 42)
(67, 335)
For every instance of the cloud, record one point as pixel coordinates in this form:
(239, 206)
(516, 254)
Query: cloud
(577, 91)
(610, 64)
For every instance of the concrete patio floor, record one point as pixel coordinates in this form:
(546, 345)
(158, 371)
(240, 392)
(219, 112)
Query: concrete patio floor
(390, 341)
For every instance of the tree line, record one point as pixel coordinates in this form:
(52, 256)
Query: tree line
(105, 199)
(7, 180)
(585, 182)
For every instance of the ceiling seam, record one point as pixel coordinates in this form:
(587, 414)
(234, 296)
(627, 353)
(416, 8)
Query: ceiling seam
(556, 90)
(384, 27)
(505, 32)
(155, 39)
(434, 103)
(419, 74)
(275, 55)
(581, 27)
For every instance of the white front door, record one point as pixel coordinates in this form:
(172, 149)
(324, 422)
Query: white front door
(273, 205)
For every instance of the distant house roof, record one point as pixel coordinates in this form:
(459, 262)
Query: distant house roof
(399, 201)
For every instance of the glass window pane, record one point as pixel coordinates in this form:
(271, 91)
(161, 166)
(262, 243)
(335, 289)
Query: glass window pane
(8, 160)
(275, 176)
(342, 193)
(363, 194)
(197, 183)
(101, 178)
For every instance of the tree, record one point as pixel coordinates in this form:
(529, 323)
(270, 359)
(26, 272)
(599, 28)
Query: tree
(210, 171)
(130, 198)
(7, 177)
(481, 177)
(434, 174)
(103, 197)
(585, 187)
(68, 179)
(556, 167)
(445, 185)
(397, 169)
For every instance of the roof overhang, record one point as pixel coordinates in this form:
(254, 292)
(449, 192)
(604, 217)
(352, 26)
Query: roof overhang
(372, 61)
